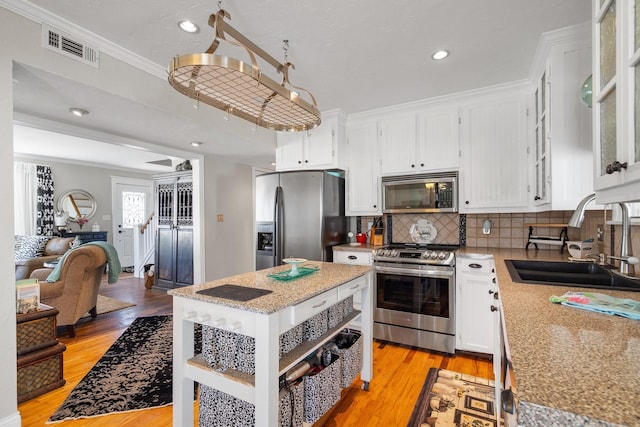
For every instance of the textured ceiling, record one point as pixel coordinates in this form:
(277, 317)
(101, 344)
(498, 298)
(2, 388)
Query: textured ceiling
(353, 55)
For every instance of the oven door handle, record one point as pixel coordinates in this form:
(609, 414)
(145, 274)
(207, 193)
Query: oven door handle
(439, 274)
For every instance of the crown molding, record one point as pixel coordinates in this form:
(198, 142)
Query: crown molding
(42, 16)
(452, 99)
(549, 40)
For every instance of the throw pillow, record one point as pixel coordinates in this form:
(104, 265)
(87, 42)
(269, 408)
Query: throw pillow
(42, 244)
(17, 242)
(30, 246)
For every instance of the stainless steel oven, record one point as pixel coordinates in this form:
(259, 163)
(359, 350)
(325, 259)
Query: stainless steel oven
(414, 301)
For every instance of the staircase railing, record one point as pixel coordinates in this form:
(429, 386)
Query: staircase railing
(144, 246)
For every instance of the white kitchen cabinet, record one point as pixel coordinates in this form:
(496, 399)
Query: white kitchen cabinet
(541, 155)
(319, 148)
(363, 170)
(561, 156)
(616, 100)
(493, 164)
(476, 303)
(419, 141)
(438, 139)
(397, 143)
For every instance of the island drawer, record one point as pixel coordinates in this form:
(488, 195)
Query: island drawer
(351, 287)
(312, 306)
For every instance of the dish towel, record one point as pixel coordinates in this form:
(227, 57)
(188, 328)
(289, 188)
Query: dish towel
(112, 261)
(600, 303)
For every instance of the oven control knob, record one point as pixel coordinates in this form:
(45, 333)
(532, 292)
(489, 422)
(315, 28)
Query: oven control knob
(434, 255)
(425, 254)
(442, 255)
(393, 253)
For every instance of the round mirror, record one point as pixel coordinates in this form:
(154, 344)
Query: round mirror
(77, 204)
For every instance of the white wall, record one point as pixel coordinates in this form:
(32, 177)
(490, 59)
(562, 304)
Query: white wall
(96, 181)
(8, 388)
(229, 245)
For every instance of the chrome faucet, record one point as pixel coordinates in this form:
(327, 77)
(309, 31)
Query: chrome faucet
(578, 217)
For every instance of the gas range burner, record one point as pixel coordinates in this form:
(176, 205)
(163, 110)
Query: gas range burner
(416, 254)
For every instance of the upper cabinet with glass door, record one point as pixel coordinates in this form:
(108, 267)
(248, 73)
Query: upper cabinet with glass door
(616, 101)
(561, 155)
(541, 126)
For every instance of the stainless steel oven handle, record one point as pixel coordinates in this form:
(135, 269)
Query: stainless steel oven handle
(417, 273)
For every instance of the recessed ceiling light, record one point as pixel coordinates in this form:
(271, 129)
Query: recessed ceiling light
(196, 143)
(188, 26)
(79, 112)
(441, 54)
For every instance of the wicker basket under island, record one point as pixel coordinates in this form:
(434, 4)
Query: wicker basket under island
(39, 353)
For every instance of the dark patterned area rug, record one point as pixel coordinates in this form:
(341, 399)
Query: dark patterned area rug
(135, 373)
(452, 399)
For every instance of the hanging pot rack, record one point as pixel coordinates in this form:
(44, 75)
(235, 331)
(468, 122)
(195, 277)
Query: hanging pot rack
(242, 89)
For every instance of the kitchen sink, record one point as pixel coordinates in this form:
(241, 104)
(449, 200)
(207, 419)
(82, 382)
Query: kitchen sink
(585, 275)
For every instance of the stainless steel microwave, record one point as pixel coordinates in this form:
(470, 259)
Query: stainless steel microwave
(420, 193)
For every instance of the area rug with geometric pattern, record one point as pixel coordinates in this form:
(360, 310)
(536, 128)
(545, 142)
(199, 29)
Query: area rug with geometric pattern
(134, 374)
(449, 399)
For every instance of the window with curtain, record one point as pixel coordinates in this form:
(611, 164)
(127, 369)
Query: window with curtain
(44, 201)
(33, 199)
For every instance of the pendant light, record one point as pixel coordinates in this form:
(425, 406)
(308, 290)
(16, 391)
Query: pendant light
(242, 89)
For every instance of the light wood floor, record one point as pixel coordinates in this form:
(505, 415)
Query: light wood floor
(399, 371)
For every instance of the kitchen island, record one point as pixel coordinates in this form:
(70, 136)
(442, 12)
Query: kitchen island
(571, 366)
(264, 318)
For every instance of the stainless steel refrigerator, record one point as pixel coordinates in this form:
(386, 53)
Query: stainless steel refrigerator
(300, 215)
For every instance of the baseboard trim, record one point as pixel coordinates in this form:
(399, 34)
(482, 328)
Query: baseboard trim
(13, 420)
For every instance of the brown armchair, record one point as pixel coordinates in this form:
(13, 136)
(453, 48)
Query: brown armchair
(76, 292)
(54, 249)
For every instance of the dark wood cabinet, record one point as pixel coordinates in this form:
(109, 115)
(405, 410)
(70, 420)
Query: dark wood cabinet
(86, 236)
(174, 235)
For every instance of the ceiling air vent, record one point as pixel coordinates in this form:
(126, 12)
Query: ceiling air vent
(69, 46)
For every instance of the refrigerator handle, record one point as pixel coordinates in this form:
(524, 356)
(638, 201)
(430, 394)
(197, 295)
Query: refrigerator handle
(277, 228)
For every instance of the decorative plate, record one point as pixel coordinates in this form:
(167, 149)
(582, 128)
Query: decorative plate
(286, 275)
(423, 231)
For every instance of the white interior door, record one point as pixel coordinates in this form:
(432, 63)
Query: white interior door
(131, 207)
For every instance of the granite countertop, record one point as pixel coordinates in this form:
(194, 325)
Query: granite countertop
(360, 247)
(284, 293)
(564, 358)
